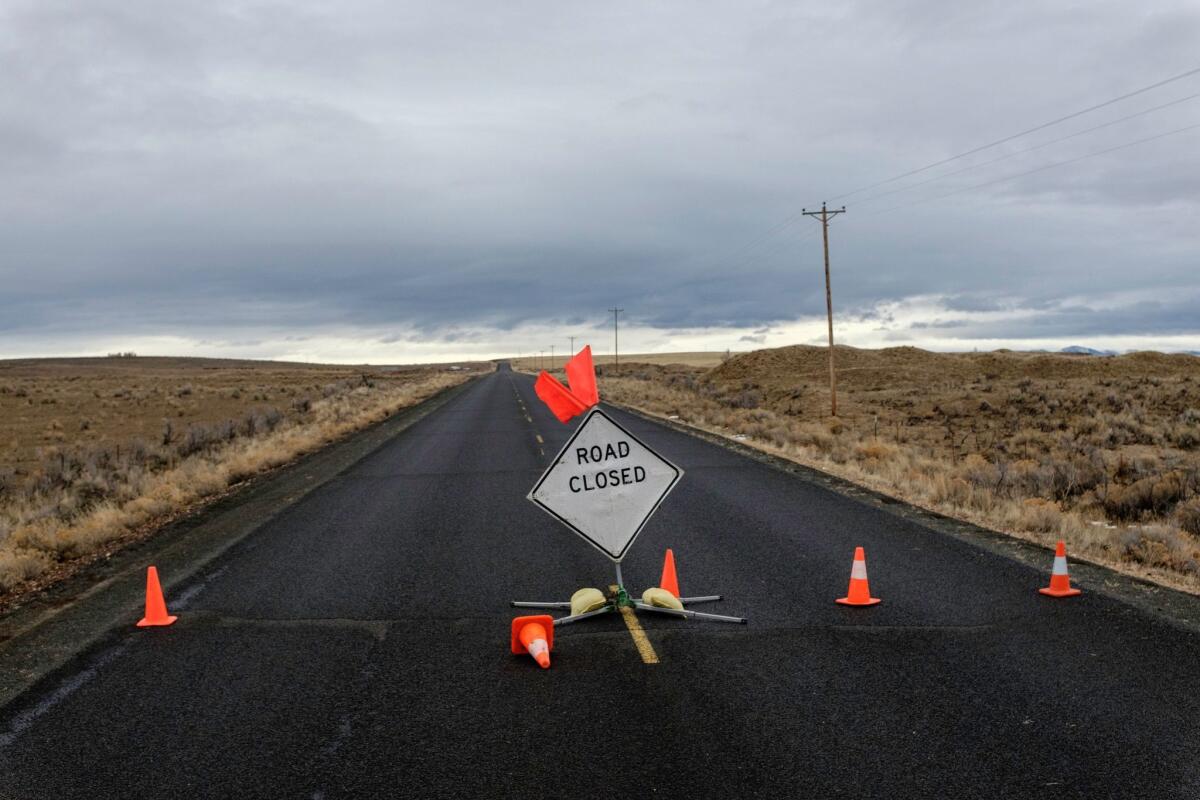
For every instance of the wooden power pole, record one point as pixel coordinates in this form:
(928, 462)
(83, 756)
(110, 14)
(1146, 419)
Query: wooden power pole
(825, 215)
(616, 350)
(572, 338)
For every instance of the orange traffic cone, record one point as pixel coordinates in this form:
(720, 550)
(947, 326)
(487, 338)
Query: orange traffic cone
(156, 607)
(859, 593)
(668, 580)
(534, 635)
(1060, 581)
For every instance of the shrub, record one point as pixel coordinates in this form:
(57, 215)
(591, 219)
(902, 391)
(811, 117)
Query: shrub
(874, 451)
(951, 491)
(1186, 438)
(17, 566)
(196, 438)
(1153, 495)
(1039, 515)
(1188, 515)
(1071, 478)
(1160, 546)
(979, 471)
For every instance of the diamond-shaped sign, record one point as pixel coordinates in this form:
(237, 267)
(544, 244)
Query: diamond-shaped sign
(604, 484)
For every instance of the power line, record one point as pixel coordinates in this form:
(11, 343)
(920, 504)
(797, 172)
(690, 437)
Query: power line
(1015, 153)
(761, 240)
(1042, 168)
(1034, 129)
(783, 224)
(758, 241)
(777, 246)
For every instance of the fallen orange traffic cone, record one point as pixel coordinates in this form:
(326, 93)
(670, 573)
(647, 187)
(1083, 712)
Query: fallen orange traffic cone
(668, 580)
(156, 607)
(534, 635)
(859, 593)
(1060, 581)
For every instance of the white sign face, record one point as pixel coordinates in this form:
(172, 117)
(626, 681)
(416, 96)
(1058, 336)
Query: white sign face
(604, 484)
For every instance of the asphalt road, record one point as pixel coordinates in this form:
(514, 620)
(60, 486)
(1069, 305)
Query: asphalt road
(356, 646)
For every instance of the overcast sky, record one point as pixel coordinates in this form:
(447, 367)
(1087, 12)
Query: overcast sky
(398, 181)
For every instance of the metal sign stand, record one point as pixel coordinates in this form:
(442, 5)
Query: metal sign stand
(569, 490)
(621, 599)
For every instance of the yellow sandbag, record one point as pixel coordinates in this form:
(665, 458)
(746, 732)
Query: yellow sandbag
(586, 600)
(661, 598)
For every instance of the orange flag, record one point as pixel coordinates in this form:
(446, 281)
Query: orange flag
(581, 376)
(565, 405)
(570, 403)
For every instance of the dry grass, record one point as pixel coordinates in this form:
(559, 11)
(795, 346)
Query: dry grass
(135, 442)
(1102, 452)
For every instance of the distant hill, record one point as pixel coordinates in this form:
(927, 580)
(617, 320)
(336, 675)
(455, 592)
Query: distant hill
(1077, 350)
(787, 366)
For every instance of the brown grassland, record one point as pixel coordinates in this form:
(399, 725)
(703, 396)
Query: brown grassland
(1101, 452)
(96, 452)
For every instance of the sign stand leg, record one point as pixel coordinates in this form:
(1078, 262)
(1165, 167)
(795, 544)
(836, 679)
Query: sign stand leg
(689, 614)
(585, 615)
(621, 599)
(706, 598)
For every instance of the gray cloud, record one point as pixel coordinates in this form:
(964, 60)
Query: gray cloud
(450, 170)
(1173, 317)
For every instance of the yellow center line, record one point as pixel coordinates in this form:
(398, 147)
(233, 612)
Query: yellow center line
(539, 438)
(640, 640)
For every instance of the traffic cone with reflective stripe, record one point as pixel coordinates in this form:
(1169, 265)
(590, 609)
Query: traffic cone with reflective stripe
(668, 580)
(1060, 581)
(156, 606)
(859, 593)
(534, 635)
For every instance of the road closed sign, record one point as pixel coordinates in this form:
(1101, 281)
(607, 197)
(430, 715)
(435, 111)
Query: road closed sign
(604, 484)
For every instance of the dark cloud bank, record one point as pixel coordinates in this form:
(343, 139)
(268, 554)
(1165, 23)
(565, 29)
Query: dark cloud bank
(209, 170)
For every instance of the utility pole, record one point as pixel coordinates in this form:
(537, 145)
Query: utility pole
(616, 350)
(572, 351)
(825, 215)
(551, 358)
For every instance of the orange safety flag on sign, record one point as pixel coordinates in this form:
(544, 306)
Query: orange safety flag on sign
(565, 405)
(581, 376)
(570, 403)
